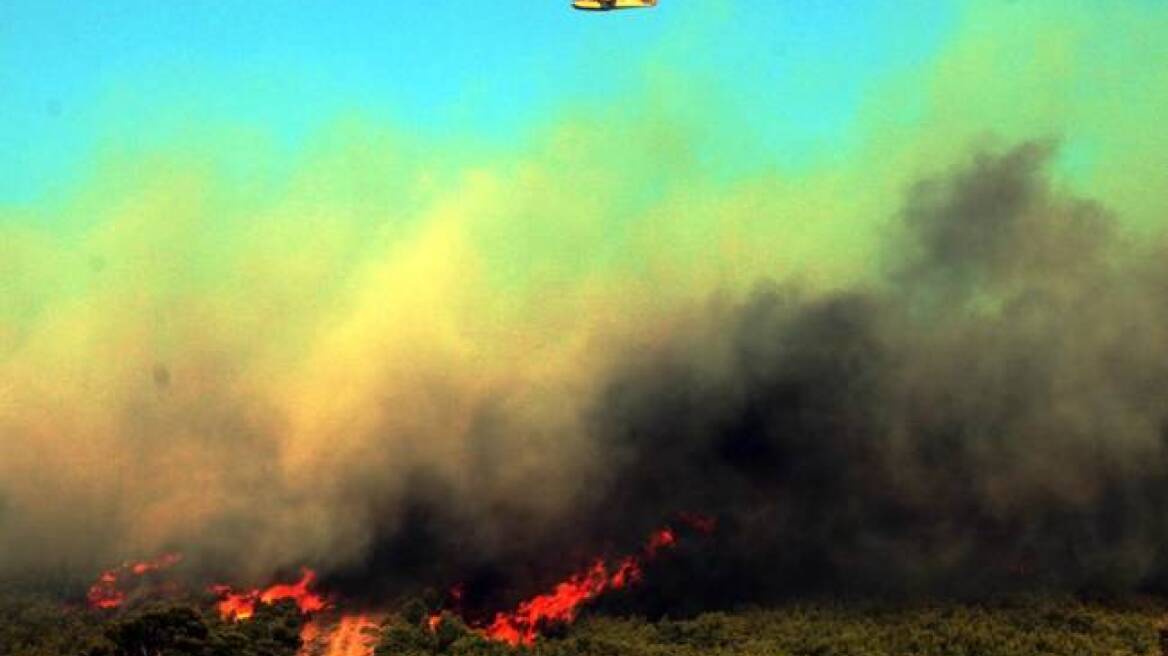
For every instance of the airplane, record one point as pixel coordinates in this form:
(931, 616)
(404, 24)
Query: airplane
(608, 5)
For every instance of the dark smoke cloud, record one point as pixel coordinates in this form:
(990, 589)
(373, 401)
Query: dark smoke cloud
(991, 416)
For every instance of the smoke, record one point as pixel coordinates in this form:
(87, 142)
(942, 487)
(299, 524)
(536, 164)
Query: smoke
(987, 413)
(409, 365)
(990, 415)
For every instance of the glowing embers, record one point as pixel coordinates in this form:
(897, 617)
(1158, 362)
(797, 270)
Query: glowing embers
(241, 605)
(112, 587)
(662, 539)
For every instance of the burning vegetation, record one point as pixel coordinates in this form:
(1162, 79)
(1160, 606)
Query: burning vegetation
(241, 605)
(328, 631)
(561, 605)
(112, 588)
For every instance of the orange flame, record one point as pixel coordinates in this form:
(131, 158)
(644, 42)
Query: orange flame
(522, 626)
(241, 605)
(352, 636)
(107, 591)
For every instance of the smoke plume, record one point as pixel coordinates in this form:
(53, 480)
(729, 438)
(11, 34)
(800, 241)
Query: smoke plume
(989, 416)
(988, 413)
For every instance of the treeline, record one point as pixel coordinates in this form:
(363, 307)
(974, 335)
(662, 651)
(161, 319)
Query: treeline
(37, 626)
(32, 626)
(1028, 627)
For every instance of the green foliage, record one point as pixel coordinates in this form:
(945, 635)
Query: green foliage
(31, 625)
(473, 644)
(34, 626)
(1027, 628)
(415, 611)
(409, 632)
(450, 629)
(402, 637)
(159, 631)
(1048, 628)
(274, 630)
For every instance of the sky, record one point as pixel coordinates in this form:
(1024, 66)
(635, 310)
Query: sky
(258, 256)
(78, 79)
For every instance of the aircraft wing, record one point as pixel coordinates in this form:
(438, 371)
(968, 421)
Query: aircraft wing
(606, 5)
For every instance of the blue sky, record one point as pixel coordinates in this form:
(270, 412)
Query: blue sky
(77, 77)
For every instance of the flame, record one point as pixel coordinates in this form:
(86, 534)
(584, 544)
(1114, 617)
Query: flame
(627, 572)
(561, 605)
(522, 626)
(309, 633)
(241, 605)
(108, 592)
(662, 539)
(353, 635)
(104, 593)
(350, 636)
(162, 562)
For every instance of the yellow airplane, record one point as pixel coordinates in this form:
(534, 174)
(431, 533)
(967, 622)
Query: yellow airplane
(607, 5)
